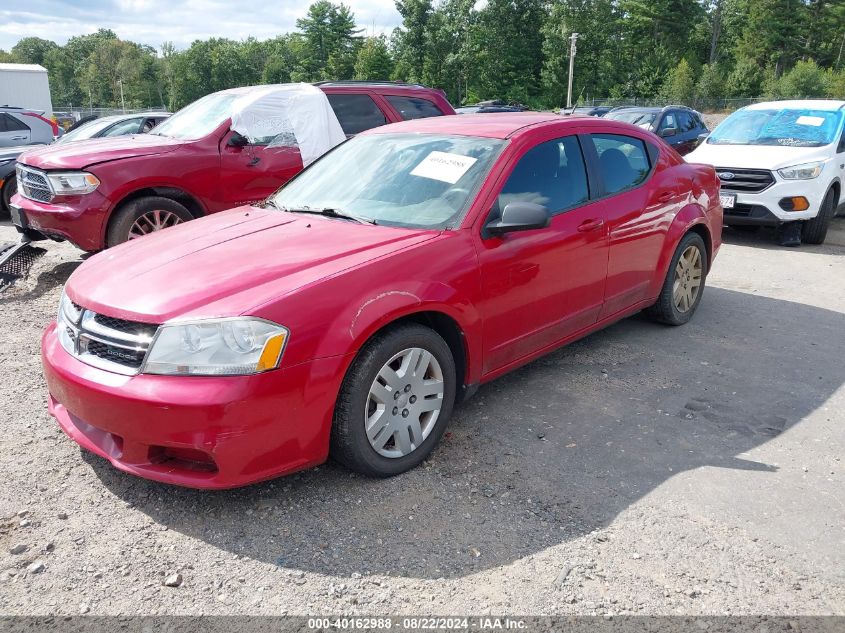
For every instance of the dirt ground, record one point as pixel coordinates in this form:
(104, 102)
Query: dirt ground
(645, 469)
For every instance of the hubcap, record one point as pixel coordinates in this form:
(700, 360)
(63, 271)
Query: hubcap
(687, 283)
(153, 221)
(404, 402)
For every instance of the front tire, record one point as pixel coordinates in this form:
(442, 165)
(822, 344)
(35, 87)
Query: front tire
(814, 231)
(143, 216)
(395, 402)
(9, 189)
(684, 283)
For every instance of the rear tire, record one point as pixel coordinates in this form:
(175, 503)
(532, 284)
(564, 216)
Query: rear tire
(385, 421)
(9, 189)
(143, 216)
(680, 295)
(814, 231)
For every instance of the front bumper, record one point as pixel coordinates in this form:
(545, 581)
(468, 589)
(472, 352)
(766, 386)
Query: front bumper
(251, 428)
(763, 208)
(77, 219)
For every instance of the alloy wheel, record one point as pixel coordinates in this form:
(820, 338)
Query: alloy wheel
(687, 283)
(152, 221)
(404, 402)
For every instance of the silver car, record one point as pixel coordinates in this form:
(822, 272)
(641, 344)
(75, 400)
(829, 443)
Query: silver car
(117, 125)
(25, 127)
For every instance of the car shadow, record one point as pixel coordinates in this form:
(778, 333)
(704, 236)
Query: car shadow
(767, 238)
(546, 454)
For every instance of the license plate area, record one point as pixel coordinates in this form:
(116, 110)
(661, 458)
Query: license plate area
(728, 201)
(18, 216)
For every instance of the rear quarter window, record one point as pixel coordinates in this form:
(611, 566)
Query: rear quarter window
(356, 112)
(413, 107)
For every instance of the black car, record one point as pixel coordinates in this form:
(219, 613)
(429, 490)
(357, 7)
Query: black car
(680, 126)
(598, 111)
(496, 105)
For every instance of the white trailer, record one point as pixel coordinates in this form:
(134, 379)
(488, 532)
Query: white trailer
(25, 86)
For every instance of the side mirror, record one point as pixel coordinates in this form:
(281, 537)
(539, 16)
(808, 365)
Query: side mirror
(519, 216)
(703, 136)
(668, 131)
(237, 140)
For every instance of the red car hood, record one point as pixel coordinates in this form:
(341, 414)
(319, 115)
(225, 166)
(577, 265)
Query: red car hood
(227, 264)
(82, 154)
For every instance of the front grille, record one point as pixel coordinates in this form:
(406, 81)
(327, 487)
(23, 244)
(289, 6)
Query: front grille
(740, 210)
(106, 342)
(33, 184)
(133, 328)
(119, 355)
(745, 180)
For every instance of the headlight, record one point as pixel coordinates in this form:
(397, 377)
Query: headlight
(216, 347)
(802, 172)
(74, 183)
(68, 310)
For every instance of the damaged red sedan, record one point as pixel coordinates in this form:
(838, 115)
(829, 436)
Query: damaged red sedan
(349, 313)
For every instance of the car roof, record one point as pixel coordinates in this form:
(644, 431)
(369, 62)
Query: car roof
(800, 104)
(500, 125)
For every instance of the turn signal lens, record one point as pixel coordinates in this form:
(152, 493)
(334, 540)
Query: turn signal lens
(796, 203)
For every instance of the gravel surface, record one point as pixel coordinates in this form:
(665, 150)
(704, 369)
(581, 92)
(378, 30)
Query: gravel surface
(645, 469)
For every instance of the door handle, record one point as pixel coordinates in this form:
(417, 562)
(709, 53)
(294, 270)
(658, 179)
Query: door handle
(18, 138)
(590, 225)
(665, 196)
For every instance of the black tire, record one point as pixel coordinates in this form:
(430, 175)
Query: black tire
(349, 444)
(814, 231)
(125, 217)
(664, 309)
(9, 190)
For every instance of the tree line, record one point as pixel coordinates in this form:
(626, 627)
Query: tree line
(516, 50)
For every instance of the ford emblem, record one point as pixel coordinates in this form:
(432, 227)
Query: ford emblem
(726, 175)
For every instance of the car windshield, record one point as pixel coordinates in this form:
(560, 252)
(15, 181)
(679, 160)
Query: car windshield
(89, 130)
(199, 118)
(793, 127)
(409, 180)
(634, 117)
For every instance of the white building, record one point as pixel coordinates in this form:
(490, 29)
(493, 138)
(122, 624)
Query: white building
(25, 86)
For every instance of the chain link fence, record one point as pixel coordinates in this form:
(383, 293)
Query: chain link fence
(702, 105)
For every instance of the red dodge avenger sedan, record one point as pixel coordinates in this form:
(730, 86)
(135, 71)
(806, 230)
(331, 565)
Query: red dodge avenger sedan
(349, 313)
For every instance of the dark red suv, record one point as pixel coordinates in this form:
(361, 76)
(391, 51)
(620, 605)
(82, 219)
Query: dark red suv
(102, 192)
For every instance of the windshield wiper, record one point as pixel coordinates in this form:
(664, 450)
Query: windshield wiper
(327, 212)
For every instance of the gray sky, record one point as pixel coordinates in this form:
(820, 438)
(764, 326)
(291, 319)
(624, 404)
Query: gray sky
(180, 21)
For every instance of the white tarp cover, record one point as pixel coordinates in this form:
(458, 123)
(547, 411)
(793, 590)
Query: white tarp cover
(288, 114)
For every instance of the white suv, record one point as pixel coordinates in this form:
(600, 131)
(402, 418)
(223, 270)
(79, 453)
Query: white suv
(781, 163)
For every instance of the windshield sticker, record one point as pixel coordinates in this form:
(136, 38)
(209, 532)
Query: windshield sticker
(815, 121)
(444, 167)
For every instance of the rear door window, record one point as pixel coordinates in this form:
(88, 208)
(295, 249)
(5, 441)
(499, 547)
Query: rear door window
(413, 107)
(686, 122)
(356, 112)
(622, 161)
(552, 174)
(8, 123)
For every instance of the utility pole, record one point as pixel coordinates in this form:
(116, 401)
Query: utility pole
(572, 48)
(122, 102)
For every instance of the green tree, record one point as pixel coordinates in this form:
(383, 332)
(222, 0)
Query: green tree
(32, 50)
(806, 79)
(330, 33)
(410, 40)
(680, 84)
(374, 60)
(711, 82)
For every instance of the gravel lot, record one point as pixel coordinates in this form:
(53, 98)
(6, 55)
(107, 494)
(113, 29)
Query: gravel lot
(645, 469)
